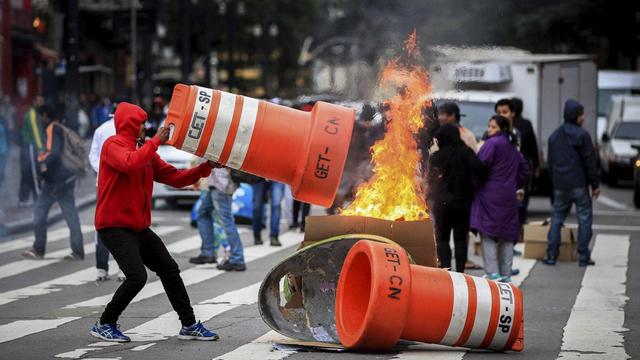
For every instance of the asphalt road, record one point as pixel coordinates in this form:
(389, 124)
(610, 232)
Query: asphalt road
(47, 307)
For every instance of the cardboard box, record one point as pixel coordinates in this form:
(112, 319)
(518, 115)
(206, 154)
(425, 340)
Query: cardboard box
(535, 242)
(414, 236)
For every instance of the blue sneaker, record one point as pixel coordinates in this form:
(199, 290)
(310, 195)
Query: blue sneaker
(197, 331)
(109, 332)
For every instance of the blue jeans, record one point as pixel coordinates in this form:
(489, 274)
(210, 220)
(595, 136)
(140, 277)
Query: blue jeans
(62, 193)
(260, 191)
(562, 201)
(216, 200)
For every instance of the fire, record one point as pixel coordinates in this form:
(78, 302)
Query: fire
(394, 191)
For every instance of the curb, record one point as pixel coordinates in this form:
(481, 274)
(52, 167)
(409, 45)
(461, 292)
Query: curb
(54, 216)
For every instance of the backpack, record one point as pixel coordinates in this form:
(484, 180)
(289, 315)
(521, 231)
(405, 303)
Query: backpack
(74, 155)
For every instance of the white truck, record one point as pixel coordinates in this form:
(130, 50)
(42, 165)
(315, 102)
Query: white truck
(477, 77)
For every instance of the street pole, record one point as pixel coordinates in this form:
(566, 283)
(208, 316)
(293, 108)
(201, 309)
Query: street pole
(134, 55)
(72, 76)
(185, 7)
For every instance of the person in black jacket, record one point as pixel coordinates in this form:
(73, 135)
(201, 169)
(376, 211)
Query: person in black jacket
(59, 184)
(572, 165)
(529, 149)
(450, 174)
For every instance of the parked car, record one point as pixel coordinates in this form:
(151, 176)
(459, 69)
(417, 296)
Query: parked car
(181, 160)
(623, 130)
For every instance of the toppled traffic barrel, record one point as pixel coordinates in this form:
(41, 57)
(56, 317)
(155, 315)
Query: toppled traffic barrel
(382, 298)
(306, 150)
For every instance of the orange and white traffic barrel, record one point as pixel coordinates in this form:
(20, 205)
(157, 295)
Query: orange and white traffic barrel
(305, 150)
(382, 298)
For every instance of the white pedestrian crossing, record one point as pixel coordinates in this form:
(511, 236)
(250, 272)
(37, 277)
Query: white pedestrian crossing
(87, 275)
(196, 274)
(21, 266)
(20, 328)
(596, 324)
(191, 276)
(52, 236)
(594, 330)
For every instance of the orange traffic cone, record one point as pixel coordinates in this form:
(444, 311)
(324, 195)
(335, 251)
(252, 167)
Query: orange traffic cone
(304, 150)
(382, 298)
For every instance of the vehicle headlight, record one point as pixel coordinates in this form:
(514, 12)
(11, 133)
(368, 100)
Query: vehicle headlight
(637, 163)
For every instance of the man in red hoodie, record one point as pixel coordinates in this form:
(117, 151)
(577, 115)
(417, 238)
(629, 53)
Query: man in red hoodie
(128, 168)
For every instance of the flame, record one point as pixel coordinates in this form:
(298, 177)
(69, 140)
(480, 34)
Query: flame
(394, 191)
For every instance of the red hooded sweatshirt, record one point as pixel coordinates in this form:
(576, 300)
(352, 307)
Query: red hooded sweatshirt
(127, 172)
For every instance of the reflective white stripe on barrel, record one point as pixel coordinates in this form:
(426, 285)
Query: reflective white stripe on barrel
(483, 312)
(460, 307)
(221, 126)
(204, 97)
(506, 317)
(245, 130)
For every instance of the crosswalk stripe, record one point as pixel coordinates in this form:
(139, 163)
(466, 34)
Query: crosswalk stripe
(191, 276)
(21, 266)
(85, 275)
(260, 348)
(596, 324)
(196, 274)
(167, 324)
(52, 236)
(20, 328)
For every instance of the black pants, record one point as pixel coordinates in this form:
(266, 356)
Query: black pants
(454, 217)
(306, 208)
(133, 251)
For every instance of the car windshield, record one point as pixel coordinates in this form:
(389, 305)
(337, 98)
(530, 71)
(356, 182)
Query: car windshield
(475, 116)
(628, 131)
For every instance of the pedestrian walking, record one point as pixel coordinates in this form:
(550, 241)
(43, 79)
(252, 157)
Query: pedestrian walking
(128, 168)
(31, 144)
(494, 212)
(451, 170)
(102, 133)
(58, 186)
(274, 191)
(216, 206)
(572, 165)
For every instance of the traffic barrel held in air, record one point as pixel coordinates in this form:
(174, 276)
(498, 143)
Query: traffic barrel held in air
(382, 298)
(306, 150)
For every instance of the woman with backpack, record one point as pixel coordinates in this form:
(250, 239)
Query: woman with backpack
(494, 212)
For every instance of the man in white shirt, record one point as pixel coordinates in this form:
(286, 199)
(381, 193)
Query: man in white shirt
(102, 133)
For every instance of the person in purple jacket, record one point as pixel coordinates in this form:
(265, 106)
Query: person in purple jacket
(494, 212)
